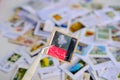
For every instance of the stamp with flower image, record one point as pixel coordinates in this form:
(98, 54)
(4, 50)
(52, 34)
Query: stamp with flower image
(8, 62)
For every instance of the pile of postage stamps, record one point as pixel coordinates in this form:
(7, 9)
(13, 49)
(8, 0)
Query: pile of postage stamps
(83, 40)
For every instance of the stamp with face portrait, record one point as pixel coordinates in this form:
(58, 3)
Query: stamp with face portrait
(63, 46)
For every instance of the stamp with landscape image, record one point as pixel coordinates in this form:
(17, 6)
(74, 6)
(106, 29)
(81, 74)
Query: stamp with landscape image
(114, 31)
(75, 69)
(63, 46)
(115, 51)
(83, 49)
(98, 50)
(112, 27)
(103, 34)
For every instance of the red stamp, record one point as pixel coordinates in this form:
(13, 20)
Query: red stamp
(57, 52)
